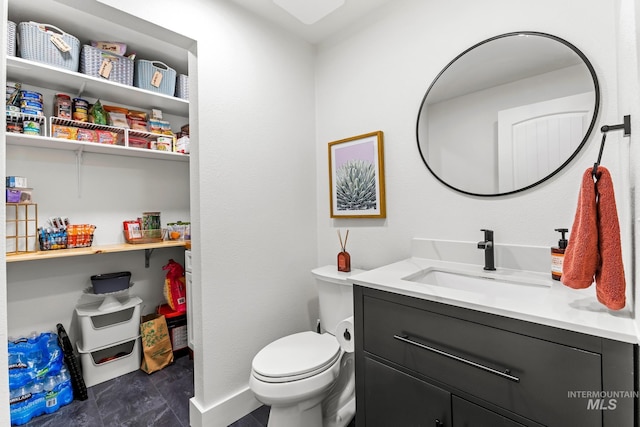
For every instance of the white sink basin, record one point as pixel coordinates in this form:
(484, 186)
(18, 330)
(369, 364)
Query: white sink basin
(486, 282)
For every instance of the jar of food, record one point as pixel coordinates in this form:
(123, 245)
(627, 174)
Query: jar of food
(80, 110)
(14, 127)
(62, 106)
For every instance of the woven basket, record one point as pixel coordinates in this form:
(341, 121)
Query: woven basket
(11, 38)
(182, 86)
(145, 71)
(91, 60)
(34, 41)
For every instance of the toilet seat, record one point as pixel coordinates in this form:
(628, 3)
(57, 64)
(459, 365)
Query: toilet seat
(296, 357)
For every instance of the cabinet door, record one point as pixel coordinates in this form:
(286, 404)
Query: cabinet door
(467, 414)
(393, 398)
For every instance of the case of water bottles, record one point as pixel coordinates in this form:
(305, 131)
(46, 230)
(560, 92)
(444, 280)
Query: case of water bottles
(39, 382)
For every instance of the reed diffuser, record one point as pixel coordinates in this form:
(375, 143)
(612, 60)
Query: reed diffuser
(344, 259)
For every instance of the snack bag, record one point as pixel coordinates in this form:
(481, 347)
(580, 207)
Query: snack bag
(97, 114)
(174, 286)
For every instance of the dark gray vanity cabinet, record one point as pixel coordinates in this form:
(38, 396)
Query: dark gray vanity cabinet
(418, 402)
(423, 363)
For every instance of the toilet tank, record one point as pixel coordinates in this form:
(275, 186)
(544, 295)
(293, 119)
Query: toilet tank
(335, 296)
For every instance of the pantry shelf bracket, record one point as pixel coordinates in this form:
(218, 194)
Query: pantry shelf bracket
(81, 89)
(147, 257)
(79, 153)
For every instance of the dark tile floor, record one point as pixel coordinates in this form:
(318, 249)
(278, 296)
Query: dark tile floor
(257, 418)
(138, 399)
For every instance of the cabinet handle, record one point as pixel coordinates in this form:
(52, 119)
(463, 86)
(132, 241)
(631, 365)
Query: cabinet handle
(505, 374)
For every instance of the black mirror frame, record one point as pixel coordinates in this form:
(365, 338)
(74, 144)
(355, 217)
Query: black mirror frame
(596, 110)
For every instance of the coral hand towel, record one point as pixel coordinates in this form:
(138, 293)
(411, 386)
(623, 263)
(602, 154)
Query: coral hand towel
(594, 249)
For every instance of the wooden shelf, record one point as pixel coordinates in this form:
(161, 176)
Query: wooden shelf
(94, 250)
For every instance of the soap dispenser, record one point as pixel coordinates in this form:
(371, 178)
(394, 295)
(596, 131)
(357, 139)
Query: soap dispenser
(557, 255)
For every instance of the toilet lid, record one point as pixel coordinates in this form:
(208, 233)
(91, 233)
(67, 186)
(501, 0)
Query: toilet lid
(295, 357)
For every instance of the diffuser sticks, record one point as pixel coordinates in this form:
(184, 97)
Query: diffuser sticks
(344, 259)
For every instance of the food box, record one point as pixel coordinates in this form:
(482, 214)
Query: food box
(16, 182)
(19, 195)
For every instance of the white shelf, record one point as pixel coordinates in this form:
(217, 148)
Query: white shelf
(59, 79)
(91, 147)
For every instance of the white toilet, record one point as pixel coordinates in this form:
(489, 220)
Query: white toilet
(307, 378)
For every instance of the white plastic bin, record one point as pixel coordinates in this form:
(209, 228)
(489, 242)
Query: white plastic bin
(104, 364)
(99, 328)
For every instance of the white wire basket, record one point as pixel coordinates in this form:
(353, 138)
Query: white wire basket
(36, 43)
(107, 65)
(11, 38)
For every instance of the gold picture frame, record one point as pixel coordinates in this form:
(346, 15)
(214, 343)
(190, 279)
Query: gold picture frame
(356, 177)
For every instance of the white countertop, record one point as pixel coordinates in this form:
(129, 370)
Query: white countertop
(554, 305)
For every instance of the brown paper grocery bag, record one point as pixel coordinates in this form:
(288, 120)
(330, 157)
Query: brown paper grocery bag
(156, 344)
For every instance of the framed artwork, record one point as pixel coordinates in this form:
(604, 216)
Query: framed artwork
(356, 177)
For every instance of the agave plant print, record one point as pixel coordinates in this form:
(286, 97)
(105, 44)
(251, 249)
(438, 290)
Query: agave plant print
(356, 177)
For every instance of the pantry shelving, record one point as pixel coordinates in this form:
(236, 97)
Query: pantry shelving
(82, 85)
(91, 147)
(95, 250)
(46, 76)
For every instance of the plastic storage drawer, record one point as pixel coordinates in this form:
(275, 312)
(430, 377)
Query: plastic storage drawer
(99, 328)
(103, 364)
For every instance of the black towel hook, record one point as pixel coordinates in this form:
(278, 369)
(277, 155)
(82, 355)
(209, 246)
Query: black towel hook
(626, 126)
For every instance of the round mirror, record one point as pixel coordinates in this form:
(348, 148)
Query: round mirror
(507, 113)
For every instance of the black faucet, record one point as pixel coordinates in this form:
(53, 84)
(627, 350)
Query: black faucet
(487, 246)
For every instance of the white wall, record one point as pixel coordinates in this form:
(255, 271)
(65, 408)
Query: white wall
(255, 211)
(376, 79)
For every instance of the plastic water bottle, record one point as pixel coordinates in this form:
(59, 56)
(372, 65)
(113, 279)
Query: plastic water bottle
(50, 383)
(65, 395)
(51, 394)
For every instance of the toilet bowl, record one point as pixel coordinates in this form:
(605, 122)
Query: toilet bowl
(307, 378)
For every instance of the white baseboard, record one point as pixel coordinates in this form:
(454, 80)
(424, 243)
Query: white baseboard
(224, 412)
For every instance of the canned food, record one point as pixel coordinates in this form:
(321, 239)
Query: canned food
(14, 127)
(27, 95)
(80, 110)
(30, 127)
(34, 105)
(31, 111)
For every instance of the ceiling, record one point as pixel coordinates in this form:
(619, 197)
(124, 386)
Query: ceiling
(342, 18)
